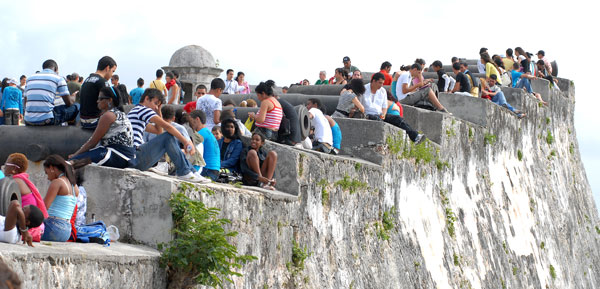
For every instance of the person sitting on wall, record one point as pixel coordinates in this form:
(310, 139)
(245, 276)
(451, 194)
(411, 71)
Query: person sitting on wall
(258, 165)
(322, 78)
(113, 132)
(230, 113)
(375, 102)
(230, 145)
(464, 68)
(211, 104)
(422, 93)
(19, 219)
(385, 69)
(269, 116)
(336, 132)
(146, 117)
(495, 94)
(41, 92)
(16, 166)
(445, 82)
(323, 137)
(462, 85)
(521, 80)
(339, 77)
(290, 116)
(396, 76)
(200, 92)
(212, 154)
(349, 104)
(60, 199)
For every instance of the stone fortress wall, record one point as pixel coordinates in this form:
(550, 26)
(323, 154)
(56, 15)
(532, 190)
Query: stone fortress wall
(494, 202)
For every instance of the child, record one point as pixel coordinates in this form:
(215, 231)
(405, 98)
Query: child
(216, 131)
(12, 103)
(495, 94)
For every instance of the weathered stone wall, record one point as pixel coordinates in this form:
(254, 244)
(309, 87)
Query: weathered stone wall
(503, 202)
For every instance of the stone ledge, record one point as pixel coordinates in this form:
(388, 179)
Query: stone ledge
(77, 265)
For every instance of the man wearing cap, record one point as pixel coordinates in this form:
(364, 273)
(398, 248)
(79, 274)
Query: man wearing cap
(41, 91)
(12, 103)
(542, 56)
(348, 65)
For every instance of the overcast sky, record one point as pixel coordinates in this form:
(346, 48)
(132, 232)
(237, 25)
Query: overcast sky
(289, 41)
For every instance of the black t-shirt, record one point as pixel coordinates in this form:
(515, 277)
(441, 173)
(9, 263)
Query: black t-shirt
(465, 86)
(89, 95)
(224, 149)
(441, 81)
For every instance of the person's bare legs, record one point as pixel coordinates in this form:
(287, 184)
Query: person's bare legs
(434, 100)
(253, 163)
(539, 97)
(268, 167)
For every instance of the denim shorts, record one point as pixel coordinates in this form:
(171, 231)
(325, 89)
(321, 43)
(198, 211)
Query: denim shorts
(57, 229)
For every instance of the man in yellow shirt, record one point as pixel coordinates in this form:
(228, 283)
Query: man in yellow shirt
(158, 84)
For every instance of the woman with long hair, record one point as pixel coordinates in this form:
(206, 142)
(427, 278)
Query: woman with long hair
(60, 199)
(340, 77)
(269, 116)
(258, 165)
(241, 83)
(230, 145)
(349, 101)
(490, 68)
(114, 133)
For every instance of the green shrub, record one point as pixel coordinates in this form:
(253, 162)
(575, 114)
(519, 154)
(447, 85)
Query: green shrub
(200, 252)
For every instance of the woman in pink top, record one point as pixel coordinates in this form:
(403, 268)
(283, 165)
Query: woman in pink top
(240, 80)
(15, 166)
(270, 114)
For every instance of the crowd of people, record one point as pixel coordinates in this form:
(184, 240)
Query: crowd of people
(204, 140)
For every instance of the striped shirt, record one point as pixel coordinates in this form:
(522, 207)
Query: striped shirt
(139, 116)
(273, 117)
(41, 91)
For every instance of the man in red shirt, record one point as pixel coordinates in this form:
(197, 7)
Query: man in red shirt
(386, 67)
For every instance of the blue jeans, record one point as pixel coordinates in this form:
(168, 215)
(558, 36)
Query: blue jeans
(57, 229)
(212, 174)
(102, 156)
(62, 113)
(524, 82)
(500, 100)
(150, 153)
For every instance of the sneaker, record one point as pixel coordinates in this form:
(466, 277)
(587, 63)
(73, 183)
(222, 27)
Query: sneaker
(193, 177)
(202, 179)
(419, 139)
(162, 168)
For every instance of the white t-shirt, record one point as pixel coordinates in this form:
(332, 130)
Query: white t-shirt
(209, 103)
(322, 128)
(232, 87)
(404, 78)
(374, 103)
(11, 237)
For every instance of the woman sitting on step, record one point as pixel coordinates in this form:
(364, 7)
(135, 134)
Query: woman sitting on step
(60, 199)
(258, 165)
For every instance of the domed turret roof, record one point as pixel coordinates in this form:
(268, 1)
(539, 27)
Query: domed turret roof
(192, 56)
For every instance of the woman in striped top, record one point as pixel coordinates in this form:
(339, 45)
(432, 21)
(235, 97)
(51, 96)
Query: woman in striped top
(270, 114)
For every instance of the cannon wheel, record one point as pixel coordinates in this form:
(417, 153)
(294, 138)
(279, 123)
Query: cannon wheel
(9, 190)
(304, 120)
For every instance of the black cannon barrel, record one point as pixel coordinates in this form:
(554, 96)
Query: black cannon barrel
(38, 142)
(316, 89)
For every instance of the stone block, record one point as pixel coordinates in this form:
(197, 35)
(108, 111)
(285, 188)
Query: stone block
(465, 107)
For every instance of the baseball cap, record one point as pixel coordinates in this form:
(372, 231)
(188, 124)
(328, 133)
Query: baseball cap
(346, 58)
(541, 52)
(13, 81)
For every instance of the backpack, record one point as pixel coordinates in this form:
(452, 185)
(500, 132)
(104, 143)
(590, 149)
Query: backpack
(93, 233)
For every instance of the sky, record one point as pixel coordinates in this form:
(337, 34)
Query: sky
(289, 41)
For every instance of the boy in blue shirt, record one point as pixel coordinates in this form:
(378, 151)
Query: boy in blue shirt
(521, 80)
(212, 153)
(12, 103)
(136, 93)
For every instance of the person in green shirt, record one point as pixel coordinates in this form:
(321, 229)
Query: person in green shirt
(322, 78)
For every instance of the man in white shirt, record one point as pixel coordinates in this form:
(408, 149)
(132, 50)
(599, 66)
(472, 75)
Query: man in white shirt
(421, 93)
(210, 103)
(375, 102)
(323, 140)
(231, 86)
